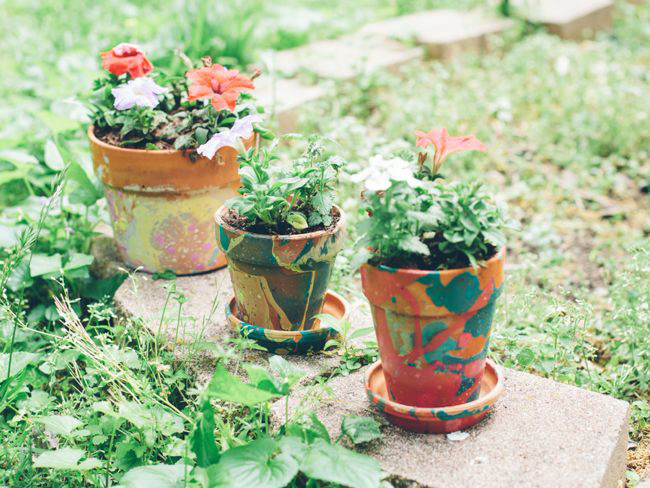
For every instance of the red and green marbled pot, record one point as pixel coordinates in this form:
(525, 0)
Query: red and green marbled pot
(433, 329)
(280, 281)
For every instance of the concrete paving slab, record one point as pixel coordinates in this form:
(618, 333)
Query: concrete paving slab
(542, 434)
(201, 318)
(569, 19)
(284, 99)
(443, 32)
(345, 57)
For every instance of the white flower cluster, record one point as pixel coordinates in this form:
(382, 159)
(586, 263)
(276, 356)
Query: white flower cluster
(381, 172)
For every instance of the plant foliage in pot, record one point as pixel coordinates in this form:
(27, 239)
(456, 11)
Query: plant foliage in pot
(432, 255)
(165, 147)
(281, 236)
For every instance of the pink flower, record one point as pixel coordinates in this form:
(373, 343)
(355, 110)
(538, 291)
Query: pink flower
(141, 92)
(445, 144)
(242, 129)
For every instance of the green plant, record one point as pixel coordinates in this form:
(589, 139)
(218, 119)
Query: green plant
(281, 199)
(414, 221)
(269, 461)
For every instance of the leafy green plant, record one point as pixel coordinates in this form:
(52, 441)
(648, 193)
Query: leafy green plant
(269, 461)
(130, 109)
(278, 199)
(416, 222)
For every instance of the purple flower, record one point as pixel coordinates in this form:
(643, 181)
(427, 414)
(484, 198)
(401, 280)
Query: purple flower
(141, 92)
(242, 129)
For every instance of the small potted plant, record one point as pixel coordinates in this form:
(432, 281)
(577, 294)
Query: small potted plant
(164, 145)
(433, 255)
(281, 237)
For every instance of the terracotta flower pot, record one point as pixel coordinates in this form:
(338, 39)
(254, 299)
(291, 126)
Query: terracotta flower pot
(161, 204)
(279, 281)
(433, 329)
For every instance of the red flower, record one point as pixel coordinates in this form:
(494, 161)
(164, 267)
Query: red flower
(445, 144)
(222, 86)
(126, 58)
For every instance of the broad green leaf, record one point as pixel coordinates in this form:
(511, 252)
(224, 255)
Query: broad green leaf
(227, 387)
(336, 464)
(287, 371)
(57, 123)
(360, 429)
(44, 264)
(53, 157)
(155, 476)
(309, 429)
(202, 441)
(66, 458)
(526, 356)
(60, 424)
(78, 260)
(256, 465)
(19, 361)
(297, 220)
(86, 192)
(20, 277)
(361, 332)
(18, 157)
(414, 244)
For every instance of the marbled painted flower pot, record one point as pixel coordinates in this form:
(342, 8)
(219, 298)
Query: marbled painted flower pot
(437, 420)
(162, 204)
(433, 329)
(280, 281)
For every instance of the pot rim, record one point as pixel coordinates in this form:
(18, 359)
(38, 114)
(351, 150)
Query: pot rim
(100, 143)
(498, 256)
(402, 410)
(340, 225)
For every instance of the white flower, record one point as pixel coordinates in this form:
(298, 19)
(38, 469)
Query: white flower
(562, 65)
(242, 129)
(141, 92)
(381, 172)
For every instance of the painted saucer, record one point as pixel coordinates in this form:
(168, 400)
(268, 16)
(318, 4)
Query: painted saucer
(435, 420)
(289, 341)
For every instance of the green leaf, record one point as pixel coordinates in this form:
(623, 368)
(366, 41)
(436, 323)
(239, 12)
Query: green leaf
(360, 429)
(60, 424)
(42, 264)
(414, 244)
(336, 464)
(57, 123)
(227, 387)
(201, 135)
(309, 428)
(288, 372)
(157, 475)
(53, 157)
(78, 260)
(257, 465)
(20, 277)
(203, 443)
(66, 458)
(361, 332)
(526, 356)
(297, 220)
(86, 192)
(19, 361)
(18, 158)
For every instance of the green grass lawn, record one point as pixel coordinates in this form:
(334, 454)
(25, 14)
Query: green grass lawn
(567, 127)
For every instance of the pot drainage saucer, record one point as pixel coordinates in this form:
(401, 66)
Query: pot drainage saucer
(292, 341)
(435, 420)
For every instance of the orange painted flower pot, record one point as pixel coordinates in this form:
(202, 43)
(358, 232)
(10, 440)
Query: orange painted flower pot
(162, 204)
(280, 282)
(433, 329)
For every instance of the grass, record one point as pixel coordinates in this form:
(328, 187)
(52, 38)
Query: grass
(566, 127)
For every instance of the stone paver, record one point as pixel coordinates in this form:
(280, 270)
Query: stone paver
(443, 32)
(345, 57)
(569, 19)
(156, 303)
(285, 98)
(542, 434)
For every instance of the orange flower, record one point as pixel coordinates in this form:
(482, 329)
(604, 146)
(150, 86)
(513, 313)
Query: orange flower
(445, 144)
(126, 58)
(222, 86)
